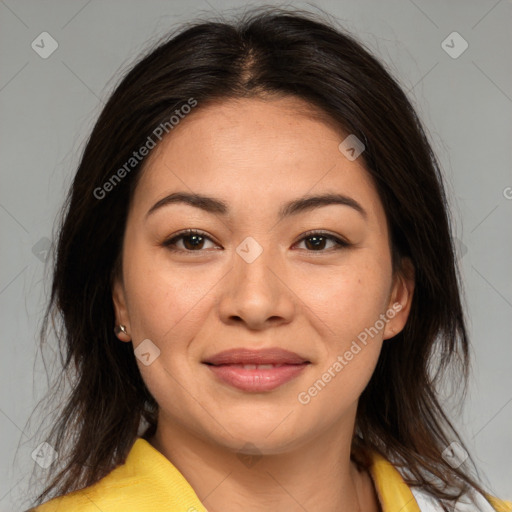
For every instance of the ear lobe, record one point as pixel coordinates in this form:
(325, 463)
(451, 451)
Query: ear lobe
(400, 302)
(120, 309)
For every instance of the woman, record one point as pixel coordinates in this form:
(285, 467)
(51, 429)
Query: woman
(256, 275)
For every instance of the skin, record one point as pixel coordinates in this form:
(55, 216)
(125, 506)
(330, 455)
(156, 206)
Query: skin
(256, 154)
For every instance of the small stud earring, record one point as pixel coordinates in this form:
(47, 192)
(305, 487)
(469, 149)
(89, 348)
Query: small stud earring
(120, 328)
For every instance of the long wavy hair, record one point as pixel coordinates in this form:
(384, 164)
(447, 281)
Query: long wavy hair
(266, 51)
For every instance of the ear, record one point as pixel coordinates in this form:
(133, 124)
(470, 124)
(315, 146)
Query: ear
(121, 311)
(400, 300)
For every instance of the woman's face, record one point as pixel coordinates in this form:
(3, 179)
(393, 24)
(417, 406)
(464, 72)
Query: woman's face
(255, 279)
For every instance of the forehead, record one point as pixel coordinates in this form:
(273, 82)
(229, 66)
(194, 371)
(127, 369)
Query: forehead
(255, 151)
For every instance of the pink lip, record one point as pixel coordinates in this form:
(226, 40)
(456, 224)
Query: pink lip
(261, 356)
(228, 366)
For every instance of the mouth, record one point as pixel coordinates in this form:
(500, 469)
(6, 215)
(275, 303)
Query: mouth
(256, 370)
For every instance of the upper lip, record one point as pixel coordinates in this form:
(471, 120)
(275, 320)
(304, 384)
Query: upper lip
(261, 356)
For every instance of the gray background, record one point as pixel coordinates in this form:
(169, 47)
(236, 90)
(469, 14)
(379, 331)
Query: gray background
(48, 107)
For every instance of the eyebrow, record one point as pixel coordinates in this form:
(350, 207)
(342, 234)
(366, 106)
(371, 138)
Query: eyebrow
(217, 206)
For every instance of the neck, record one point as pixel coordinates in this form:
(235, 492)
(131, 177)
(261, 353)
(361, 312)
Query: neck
(310, 477)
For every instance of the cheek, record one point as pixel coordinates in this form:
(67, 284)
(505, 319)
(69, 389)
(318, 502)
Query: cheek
(348, 305)
(348, 299)
(164, 300)
(167, 306)
(348, 313)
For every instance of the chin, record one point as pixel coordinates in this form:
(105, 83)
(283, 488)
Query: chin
(259, 437)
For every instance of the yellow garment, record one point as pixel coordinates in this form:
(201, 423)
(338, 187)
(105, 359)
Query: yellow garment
(149, 482)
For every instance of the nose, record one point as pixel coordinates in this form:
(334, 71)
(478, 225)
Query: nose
(256, 292)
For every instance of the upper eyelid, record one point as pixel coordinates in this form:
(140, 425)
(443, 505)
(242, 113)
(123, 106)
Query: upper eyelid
(188, 232)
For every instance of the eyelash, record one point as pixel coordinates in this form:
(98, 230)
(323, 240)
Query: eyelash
(170, 243)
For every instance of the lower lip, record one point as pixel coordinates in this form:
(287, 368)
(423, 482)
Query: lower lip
(257, 380)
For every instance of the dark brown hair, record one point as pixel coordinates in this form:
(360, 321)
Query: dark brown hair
(267, 51)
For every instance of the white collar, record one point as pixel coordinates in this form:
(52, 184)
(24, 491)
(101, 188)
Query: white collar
(469, 502)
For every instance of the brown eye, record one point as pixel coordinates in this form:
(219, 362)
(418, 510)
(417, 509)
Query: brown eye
(193, 241)
(316, 241)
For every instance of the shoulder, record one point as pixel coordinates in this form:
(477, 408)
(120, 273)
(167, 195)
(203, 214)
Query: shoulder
(395, 494)
(119, 490)
(114, 493)
(146, 482)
